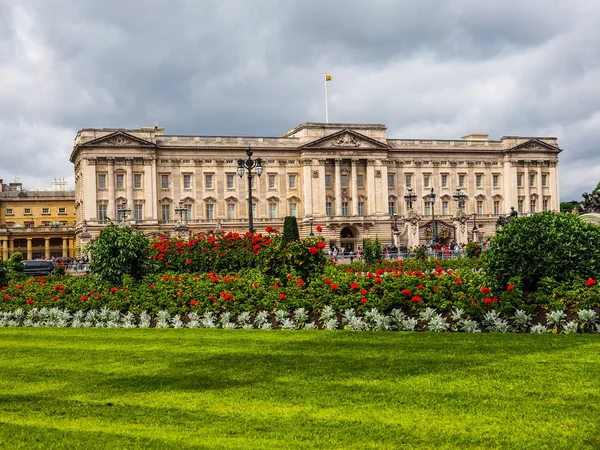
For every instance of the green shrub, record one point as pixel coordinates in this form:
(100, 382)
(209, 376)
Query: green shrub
(290, 230)
(120, 251)
(372, 251)
(554, 245)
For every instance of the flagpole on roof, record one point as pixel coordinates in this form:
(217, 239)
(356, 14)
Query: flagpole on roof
(327, 78)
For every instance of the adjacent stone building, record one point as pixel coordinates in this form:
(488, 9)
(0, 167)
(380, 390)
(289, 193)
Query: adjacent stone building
(351, 179)
(38, 223)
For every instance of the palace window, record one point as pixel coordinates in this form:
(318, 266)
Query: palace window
(360, 181)
(45, 210)
(292, 181)
(495, 180)
(231, 210)
(164, 181)
(137, 180)
(479, 207)
(427, 208)
(273, 210)
(328, 209)
(532, 205)
(293, 209)
(544, 180)
(327, 181)
(187, 213)
(444, 180)
(344, 180)
(344, 209)
(185, 161)
(478, 181)
(230, 185)
(391, 208)
(390, 180)
(545, 204)
(9, 211)
(361, 208)
(101, 181)
(187, 181)
(408, 180)
(208, 181)
(496, 207)
(138, 211)
(27, 211)
(519, 180)
(461, 181)
(120, 181)
(426, 181)
(210, 211)
(532, 180)
(272, 181)
(166, 212)
(520, 206)
(101, 212)
(445, 208)
(254, 210)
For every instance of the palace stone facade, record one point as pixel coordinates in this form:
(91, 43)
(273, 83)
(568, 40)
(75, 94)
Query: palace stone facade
(351, 178)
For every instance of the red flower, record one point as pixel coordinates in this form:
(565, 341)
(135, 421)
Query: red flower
(458, 281)
(354, 285)
(364, 301)
(188, 261)
(151, 286)
(378, 280)
(313, 250)
(113, 290)
(590, 282)
(416, 299)
(485, 290)
(473, 302)
(55, 298)
(269, 229)
(321, 245)
(334, 287)
(439, 269)
(319, 228)
(487, 301)
(406, 292)
(300, 283)
(98, 296)
(19, 287)
(29, 301)
(166, 277)
(194, 303)
(363, 292)
(327, 281)
(289, 277)
(436, 288)
(84, 298)
(227, 297)
(510, 287)
(255, 285)
(282, 296)
(420, 286)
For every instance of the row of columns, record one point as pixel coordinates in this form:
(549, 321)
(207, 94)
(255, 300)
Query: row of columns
(7, 245)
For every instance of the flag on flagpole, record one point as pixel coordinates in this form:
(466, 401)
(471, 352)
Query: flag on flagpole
(328, 77)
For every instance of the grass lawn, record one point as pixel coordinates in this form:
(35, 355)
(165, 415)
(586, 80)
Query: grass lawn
(165, 388)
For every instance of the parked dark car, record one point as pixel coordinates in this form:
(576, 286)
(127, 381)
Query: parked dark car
(39, 267)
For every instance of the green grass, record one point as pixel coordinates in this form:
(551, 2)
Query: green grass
(107, 388)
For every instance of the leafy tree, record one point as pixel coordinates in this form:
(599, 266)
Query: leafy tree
(290, 230)
(555, 245)
(567, 207)
(15, 263)
(120, 251)
(372, 251)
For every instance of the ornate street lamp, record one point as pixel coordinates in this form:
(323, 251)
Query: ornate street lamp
(123, 211)
(475, 229)
(394, 227)
(410, 197)
(247, 167)
(433, 229)
(460, 196)
(311, 219)
(181, 210)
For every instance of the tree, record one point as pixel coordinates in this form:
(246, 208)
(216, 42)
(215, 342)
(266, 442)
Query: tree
(290, 230)
(120, 251)
(372, 251)
(555, 245)
(567, 207)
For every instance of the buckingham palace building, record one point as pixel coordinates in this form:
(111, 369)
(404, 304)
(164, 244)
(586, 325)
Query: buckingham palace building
(352, 180)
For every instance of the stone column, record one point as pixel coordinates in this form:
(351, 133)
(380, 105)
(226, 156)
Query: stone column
(554, 203)
(338, 187)
(29, 248)
(4, 248)
(11, 246)
(71, 248)
(509, 187)
(307, 187)
(527, 205)
(130, 184)
(354, 184)
(370, 187)
(321, 191)
(382, 191)
(65, 247)
(47, 248)
(111, 210)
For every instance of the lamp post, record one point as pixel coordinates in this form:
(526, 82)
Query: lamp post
(460, 196)
(433, 229)
(311, 219)
(247, 167)
(180, 210)
(394, 227)
(410, 197)
(123, 211)
(475, 229)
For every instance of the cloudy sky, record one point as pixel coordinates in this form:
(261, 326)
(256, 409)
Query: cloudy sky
(425, 68)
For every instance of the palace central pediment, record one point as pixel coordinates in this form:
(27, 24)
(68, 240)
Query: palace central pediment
(346, 140)
(118, 139)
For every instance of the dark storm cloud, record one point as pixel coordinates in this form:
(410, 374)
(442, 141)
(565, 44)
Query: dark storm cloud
(425, 68)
